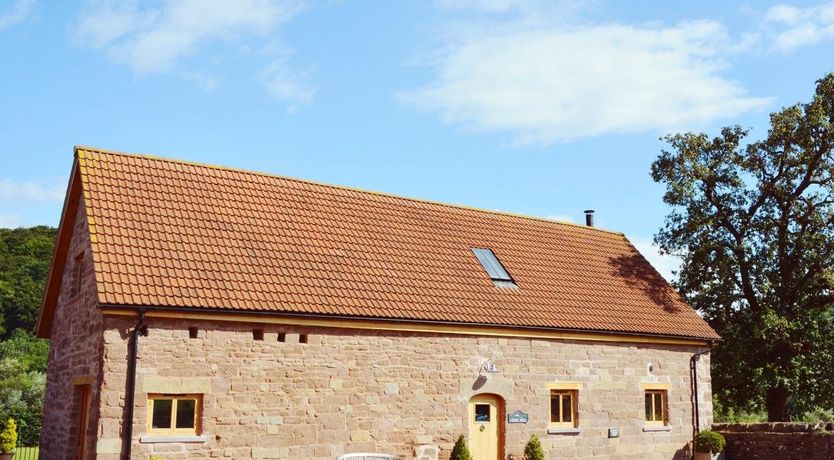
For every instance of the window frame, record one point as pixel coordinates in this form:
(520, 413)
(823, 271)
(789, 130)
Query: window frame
(490, 262)
(175, 398)
(653, 421)
(563, 389)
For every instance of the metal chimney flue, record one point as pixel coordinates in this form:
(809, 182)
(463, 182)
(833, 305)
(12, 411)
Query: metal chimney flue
(589, 217)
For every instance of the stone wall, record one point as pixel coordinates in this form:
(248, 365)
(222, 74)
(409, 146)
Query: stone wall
(778, 441)
(74, 354)
(360, 390)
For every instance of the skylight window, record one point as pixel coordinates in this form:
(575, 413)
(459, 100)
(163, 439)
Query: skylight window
(497, 273)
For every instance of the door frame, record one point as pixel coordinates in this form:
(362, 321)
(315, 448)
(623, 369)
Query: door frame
(84, 391)
(501, 419)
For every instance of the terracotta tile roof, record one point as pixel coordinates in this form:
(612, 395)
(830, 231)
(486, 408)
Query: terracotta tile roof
(175, 234)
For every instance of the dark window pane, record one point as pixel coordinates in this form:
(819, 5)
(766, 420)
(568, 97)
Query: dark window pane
(481, 412)
(658, 407)
(185, 413)
(554, 408)
(161, 413)
(567, 412)
(648, 407)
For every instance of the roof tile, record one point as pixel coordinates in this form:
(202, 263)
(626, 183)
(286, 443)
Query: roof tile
(184, 235)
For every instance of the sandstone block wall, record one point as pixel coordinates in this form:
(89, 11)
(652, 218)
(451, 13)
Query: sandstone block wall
(75, 351)
(778, 441)
(359, 391)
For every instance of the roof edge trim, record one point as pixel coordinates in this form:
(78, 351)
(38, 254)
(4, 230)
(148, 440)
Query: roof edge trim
(405, 325)
(43, 326)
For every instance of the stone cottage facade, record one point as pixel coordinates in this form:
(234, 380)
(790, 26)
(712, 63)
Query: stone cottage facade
(202, 312)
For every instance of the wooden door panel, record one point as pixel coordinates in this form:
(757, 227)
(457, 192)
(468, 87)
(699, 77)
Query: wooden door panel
(484, 422)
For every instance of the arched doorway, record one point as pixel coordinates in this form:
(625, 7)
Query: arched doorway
(486, 427)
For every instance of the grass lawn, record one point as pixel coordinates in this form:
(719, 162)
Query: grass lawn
(26, 453)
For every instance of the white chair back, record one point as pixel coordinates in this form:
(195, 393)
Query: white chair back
(366, 456)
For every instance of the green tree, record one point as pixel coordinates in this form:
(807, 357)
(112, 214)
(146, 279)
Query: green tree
(533, 450)
(461, 450)
(22, 383)
(754, 224)
(24, 262)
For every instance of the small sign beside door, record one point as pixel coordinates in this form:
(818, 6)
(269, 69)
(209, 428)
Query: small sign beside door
(517, 417)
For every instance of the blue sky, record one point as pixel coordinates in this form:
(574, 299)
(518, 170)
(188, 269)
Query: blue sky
(539, 108)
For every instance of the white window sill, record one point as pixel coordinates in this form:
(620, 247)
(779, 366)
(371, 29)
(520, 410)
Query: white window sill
(563, 431)
(151, 439)
(650, 429)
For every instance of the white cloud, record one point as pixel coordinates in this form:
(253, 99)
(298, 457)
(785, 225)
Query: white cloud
(557, 83)
(665, 264)
(157, 38)
(786, 14)
(286, 86)
(791, 27)
(486, 6)
(10, 220)
(16, 13)
(15, 192)
(561, 218)
(561, 9)
(154, 39)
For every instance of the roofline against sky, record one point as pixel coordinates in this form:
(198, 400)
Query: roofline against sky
(85, 148)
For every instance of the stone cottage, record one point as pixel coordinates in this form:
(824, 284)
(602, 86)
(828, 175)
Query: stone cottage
(201, 312)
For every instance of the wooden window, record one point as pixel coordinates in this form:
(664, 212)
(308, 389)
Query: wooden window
(174, 414)
(656, 413)
(282, 336)
(193, 332)
(563, 404)
(302, 338)
(257, 334)
(77, 273)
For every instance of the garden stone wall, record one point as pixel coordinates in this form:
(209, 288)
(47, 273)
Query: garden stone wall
(778, 441)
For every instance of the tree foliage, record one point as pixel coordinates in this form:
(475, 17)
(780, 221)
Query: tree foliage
(24, 261)
(22, 383)
(754, 224)
(461, 450)
(533, 449)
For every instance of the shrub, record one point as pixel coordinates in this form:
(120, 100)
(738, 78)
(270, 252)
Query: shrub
(8, 438)
(461, 450)
(816, 415)
(729, 414)
(533, 450)
(709, 441)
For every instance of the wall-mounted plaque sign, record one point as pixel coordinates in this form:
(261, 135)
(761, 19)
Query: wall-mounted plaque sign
(613, 432)
(517, 417)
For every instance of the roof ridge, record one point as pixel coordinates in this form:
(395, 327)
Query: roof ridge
(342, 187)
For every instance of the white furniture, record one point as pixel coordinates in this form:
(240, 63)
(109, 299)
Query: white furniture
(367, 457)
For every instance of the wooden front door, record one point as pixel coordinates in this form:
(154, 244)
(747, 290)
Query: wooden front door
(485, 426)
(83, 414)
